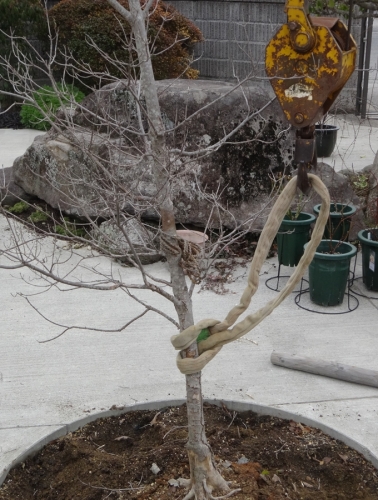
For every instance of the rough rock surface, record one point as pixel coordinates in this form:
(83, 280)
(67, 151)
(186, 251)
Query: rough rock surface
(112, 238)
(103, 172)
(10, 193)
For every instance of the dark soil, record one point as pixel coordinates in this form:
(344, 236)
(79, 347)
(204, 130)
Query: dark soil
(268, 458)
(10, 119)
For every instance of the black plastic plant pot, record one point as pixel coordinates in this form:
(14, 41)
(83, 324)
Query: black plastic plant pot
(328, 272)
(325, 137)
(340, 218)
(369, 259)
(291, 237)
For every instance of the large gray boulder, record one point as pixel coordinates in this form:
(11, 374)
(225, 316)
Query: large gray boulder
(10, 193)
(98, 169)
(66, 174)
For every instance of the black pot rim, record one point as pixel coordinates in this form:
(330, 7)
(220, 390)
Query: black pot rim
(326, 128)
(348, 211)
(304, 222)
(336, 256)
(362, 237)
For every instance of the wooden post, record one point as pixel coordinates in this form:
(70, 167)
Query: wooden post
(327, 368)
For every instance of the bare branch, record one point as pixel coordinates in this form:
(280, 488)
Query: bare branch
(121, 10)
(78, 327)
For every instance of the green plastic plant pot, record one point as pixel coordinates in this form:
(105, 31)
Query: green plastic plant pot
(369, 260)
(325, 139)
(291, 237)
(328, 272)
(338, 225)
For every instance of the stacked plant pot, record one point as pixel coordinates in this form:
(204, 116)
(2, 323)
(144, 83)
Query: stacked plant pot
(329, 269)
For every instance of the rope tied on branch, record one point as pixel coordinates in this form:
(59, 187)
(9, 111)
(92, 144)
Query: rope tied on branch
(190, 254)
(221, 333)
(190, 259)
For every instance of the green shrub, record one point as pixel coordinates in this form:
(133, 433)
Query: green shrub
(77, 21)
(21, 17)
(38, 216)
(19, 208)
(47, 103)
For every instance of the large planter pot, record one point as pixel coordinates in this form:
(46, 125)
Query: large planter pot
(234, 406)
(328, 272)
(291, 237)
(369, 260)
(340, 217)
(325, 137)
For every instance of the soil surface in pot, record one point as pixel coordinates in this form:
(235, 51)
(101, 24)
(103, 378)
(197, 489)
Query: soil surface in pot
(268, 458)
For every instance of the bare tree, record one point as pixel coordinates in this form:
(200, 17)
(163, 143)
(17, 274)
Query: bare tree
(144, 147)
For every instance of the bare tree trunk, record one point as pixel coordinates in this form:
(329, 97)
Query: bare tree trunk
(204, 477)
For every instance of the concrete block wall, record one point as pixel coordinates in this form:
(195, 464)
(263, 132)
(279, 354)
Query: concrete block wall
(235, 32)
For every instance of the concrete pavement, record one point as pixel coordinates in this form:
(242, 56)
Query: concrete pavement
(14, 143)
(356, 144)
(46, 387)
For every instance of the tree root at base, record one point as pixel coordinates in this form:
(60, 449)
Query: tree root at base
(205, 479)
(207, 492)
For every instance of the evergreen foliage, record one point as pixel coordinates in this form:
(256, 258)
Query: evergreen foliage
(49, 102)
(21, 18)
(81, 21)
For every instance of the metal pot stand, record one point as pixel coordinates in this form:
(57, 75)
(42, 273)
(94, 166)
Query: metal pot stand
(352, 301)
(269, 283)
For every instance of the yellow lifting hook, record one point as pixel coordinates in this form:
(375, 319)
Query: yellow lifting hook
(308, 61)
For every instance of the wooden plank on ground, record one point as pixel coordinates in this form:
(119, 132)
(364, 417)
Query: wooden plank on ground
(331, 369)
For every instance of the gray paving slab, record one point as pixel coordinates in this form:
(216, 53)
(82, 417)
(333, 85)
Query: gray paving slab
(13, 143)
(47, 386)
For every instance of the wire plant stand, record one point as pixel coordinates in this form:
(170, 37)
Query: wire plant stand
(350, 305)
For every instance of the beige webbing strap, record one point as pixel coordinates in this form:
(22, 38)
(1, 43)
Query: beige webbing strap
(220, 332)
